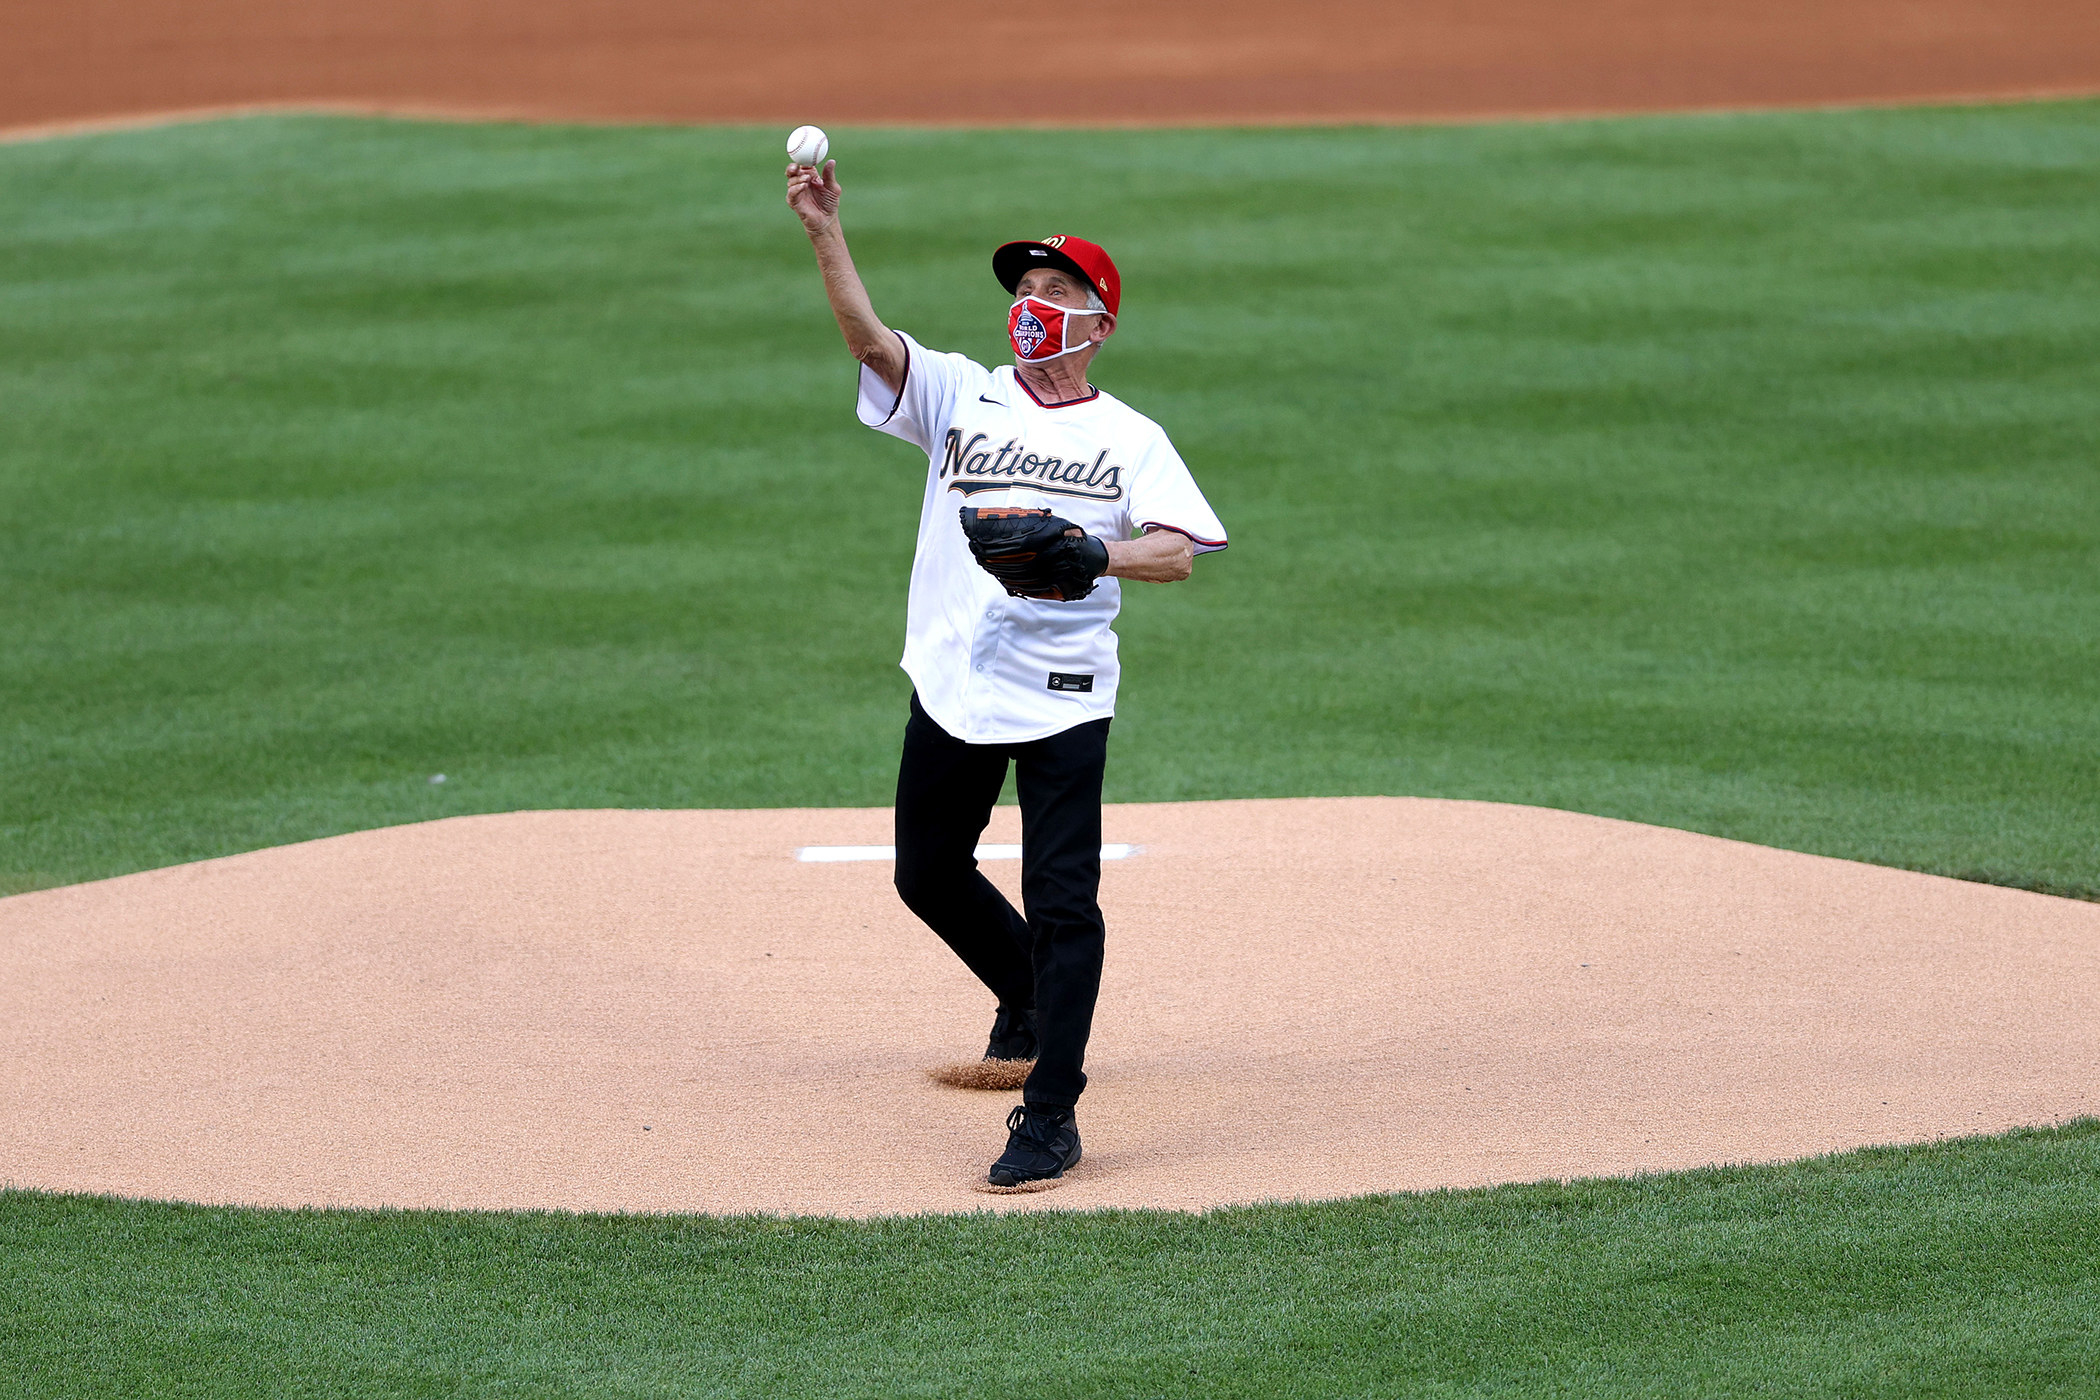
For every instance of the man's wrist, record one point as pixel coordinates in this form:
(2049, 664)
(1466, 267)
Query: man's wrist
(1157, 556)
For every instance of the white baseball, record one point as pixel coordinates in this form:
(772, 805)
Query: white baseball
(808, 145)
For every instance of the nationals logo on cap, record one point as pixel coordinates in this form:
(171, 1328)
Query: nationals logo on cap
(1087, 261)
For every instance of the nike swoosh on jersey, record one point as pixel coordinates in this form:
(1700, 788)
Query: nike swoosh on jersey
(993, 402)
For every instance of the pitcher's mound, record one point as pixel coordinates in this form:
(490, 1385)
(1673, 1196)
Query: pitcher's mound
(666, 1011)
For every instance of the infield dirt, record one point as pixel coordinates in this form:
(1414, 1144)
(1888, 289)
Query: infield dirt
(1099, 61)
(666, 1011)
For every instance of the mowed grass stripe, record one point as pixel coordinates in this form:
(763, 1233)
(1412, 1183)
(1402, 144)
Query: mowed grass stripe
(1961, 1268)
(1732, 473)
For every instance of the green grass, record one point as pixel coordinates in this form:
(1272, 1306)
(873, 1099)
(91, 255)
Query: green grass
(1957, 1269)
(1733, 473)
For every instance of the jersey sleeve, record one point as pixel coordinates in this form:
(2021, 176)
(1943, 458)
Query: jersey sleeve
(1163, 496)
(918, 413)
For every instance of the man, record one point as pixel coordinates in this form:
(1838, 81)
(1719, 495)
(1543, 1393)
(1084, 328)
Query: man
(1058, 491)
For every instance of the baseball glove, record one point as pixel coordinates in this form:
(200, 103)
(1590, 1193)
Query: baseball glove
(1033, 553)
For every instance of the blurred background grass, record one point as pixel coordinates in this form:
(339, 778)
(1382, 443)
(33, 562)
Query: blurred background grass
(1732, 473)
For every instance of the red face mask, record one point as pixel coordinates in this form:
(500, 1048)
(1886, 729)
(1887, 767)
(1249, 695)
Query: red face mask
(1042, 330)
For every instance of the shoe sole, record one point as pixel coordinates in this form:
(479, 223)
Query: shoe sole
(1002, 1075)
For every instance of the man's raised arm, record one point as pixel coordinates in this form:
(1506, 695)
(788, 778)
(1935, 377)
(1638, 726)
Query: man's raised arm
(814, 196)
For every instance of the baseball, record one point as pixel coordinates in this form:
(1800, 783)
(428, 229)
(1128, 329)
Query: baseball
(807, 145)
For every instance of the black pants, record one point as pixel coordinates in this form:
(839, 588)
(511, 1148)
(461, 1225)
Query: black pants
(1051, 960)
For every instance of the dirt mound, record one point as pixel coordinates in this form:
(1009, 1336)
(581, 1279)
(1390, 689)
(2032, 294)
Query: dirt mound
(661, 1011)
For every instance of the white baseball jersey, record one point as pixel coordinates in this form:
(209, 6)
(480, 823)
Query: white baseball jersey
(991, 669)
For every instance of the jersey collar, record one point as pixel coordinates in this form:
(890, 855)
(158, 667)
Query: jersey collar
(1091, 394)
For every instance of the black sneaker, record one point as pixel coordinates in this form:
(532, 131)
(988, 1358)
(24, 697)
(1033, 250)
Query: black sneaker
(1041, 1145)
(1013, 1036)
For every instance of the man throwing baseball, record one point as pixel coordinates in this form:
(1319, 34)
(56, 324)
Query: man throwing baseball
(1042, 493)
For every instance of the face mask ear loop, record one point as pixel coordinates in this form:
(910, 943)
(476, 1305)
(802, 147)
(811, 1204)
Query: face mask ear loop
(1046, 359)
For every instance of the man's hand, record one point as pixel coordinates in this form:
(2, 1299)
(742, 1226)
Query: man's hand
(814, 196)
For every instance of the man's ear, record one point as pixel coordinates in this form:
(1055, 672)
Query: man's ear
(1103, 328)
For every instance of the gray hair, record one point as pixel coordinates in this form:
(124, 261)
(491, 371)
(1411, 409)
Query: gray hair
(1094, 302)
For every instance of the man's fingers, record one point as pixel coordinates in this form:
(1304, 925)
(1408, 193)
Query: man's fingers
(819, 188)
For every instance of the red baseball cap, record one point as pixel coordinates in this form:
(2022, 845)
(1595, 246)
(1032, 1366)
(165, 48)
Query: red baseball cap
(1074, 255)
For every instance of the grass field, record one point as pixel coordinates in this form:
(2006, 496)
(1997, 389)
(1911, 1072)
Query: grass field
(1958, 1269)
(1733, 473)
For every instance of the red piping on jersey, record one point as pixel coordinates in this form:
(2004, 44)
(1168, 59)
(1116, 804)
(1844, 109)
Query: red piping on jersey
(1185, 534)
(1091, 394)
(906, 379)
